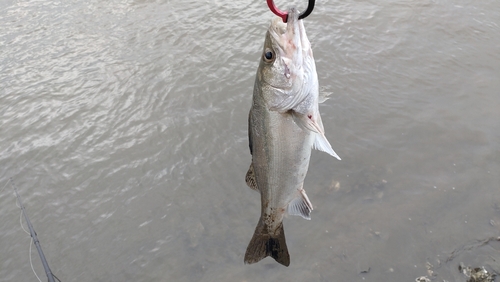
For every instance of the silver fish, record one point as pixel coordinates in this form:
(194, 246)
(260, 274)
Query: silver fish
(284, 123)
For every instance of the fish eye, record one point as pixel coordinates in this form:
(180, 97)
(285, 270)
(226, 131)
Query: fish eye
(268, 55)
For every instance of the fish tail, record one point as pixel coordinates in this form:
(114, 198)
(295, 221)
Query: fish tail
(264, 244)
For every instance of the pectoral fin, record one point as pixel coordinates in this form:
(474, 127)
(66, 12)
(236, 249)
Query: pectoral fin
(312, 122)
(322, 144)
(306, 122)
(250, 179)
(300, 205)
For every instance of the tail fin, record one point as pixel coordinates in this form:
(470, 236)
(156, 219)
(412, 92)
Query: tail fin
(264, 244)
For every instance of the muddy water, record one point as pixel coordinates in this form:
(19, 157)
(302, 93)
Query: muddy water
(123, 124)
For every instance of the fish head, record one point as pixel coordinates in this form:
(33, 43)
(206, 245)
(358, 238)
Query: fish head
(287, 63)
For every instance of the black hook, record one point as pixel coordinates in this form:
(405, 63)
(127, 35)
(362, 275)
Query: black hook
(308, 11)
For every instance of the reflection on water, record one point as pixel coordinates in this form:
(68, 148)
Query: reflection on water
(124, 126)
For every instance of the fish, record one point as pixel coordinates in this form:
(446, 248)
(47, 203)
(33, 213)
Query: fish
(284, 125)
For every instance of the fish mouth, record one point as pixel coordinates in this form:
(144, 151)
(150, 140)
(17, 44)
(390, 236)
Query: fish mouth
(291, 38)
(293, 49)
(292, 25)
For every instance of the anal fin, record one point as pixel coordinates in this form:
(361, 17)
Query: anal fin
(250, 178)
(300, 205)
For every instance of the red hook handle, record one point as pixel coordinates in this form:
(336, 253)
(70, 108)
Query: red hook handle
(284, 15)
(276, 11)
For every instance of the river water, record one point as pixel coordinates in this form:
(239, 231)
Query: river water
(124, 126)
